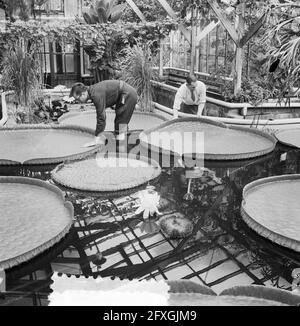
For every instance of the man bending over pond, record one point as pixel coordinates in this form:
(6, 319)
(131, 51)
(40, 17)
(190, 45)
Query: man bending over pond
(190, 97)
(108, 93)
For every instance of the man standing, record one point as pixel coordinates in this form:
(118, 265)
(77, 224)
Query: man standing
(106, 94)
(190, 97)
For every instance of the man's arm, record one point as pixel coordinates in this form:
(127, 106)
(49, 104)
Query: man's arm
(178, 100)
(99, 102)
(200, 109)
(100, 105)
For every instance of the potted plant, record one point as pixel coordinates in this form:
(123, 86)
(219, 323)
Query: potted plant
(137, 70)
(20, 73)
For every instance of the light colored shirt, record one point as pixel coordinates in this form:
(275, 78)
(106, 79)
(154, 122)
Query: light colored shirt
(184, 95)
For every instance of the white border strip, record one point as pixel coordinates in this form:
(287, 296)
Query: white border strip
(4, 118)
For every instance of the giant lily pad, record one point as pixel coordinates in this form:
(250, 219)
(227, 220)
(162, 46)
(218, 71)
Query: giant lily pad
(216, 141)
(271, 207)
(106, 174)
(289, 137)
(195, 299)
(263, 292)
(34, 216)
(139, 120)
(44, 144)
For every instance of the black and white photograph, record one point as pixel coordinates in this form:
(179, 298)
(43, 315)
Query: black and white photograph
(149, 156)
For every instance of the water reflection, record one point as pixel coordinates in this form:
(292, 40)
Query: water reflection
(107, 240)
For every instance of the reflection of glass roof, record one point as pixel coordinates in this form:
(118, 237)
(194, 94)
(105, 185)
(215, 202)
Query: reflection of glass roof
(106, 240)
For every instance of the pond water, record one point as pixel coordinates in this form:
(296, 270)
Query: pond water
(106, 239)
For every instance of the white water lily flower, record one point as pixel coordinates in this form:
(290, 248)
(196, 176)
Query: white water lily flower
(68, 99)
(148, 203)
(60, 87)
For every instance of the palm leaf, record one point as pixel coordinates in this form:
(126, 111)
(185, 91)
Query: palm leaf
(138, 72)
(87, 18)
(116, 12)
(109, 6)
(103, 3)
(102, 15)
(93, 15)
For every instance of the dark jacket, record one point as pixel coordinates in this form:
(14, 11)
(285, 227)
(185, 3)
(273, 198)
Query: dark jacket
(104, 94)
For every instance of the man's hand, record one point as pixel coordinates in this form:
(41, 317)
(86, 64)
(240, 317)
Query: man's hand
(175, 113)
(200, 109)
(99, 140)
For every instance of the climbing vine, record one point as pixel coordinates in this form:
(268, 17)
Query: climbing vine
(96, 39)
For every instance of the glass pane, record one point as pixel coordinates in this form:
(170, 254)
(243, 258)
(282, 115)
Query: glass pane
(57, 5)
(70, 63)
(69, 48)
(86, 64)
(203, 64)
(39, 5)
(49, 5)
(211, 63)
(58, 64)
(58, 48)
(45, 57)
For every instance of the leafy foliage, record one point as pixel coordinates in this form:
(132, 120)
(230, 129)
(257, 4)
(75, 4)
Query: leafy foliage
(152, 10)
(254, 91)
(104, 11)
(21, 7)
(284, 39)
(259, 81)
(20, 72)
(258, 84)
(230, 8)
(102, 42)
(137, 68)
